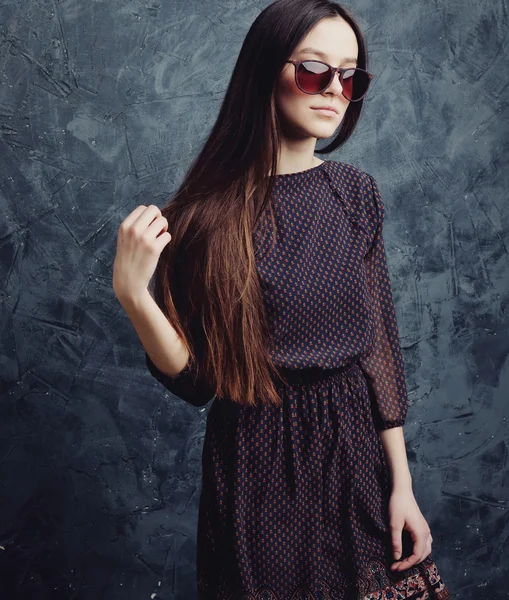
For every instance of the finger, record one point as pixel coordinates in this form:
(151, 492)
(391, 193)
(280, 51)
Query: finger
(410, 561)
(418, 549)
(427, 550)
(406, 563)
(157, 226)
(162, 240)
(140, 220)
(131, 217)
(396, 542)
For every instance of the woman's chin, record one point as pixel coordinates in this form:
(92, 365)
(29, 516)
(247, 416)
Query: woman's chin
(322, 132)
(308, 128)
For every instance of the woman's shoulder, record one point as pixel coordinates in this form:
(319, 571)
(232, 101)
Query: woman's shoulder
(347, 173)
(351, 182)
(357, 191)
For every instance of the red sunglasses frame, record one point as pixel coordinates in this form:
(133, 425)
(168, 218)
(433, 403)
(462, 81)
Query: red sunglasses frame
(333, 70)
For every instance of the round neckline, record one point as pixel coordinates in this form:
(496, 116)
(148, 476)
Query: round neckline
(299, 174)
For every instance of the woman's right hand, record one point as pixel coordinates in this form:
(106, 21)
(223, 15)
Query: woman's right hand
(141, 238)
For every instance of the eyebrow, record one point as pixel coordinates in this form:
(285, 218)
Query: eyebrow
(323, 55)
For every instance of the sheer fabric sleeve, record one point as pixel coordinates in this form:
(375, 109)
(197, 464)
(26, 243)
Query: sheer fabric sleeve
(186, 385)
(383, 366)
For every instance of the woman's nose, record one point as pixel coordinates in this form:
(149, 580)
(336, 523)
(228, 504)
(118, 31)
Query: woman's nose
(335, 85)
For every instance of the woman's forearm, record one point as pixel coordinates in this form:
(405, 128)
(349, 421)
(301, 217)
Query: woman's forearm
(393, 442)
(158, 337)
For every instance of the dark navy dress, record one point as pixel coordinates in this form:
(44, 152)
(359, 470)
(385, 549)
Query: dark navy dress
(294, 502)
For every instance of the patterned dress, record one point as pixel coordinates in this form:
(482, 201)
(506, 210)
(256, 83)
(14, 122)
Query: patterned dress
(294, 501)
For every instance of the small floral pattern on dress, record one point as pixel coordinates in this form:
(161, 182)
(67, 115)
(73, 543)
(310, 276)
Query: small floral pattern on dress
(294, 502)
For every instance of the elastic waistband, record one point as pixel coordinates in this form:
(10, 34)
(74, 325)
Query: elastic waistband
(313, 374)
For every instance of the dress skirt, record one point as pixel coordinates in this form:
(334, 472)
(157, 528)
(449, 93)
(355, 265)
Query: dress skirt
(294, 501)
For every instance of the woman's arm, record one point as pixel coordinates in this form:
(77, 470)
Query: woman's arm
(158, 337)
(393, 441)
(165, 355)
(141, 238)
(383, 363)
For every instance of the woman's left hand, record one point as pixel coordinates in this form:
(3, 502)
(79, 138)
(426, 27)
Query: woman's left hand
(405, 514)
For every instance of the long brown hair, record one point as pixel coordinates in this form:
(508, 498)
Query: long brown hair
(206, 281)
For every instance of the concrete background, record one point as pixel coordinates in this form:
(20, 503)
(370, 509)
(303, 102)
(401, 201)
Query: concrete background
(102, 107)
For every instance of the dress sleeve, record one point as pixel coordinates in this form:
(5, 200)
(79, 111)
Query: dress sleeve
(186, 385)
(384, 365)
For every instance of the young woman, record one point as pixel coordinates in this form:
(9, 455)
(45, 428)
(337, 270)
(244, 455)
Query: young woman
(274, 299)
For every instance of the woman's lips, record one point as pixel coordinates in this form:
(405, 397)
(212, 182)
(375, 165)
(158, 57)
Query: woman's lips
(325, 111)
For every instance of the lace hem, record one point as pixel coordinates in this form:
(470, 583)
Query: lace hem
(420, 582)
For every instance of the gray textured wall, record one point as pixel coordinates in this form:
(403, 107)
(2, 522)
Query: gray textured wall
(102, 107)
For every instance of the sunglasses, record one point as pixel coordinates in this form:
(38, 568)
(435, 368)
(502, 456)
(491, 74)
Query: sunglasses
(315, 76)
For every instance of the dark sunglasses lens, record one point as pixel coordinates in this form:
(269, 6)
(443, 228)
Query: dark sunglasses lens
(313, 77)
(355, 84)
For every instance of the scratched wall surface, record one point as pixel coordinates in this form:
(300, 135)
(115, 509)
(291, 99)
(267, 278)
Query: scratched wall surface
(102, 107)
